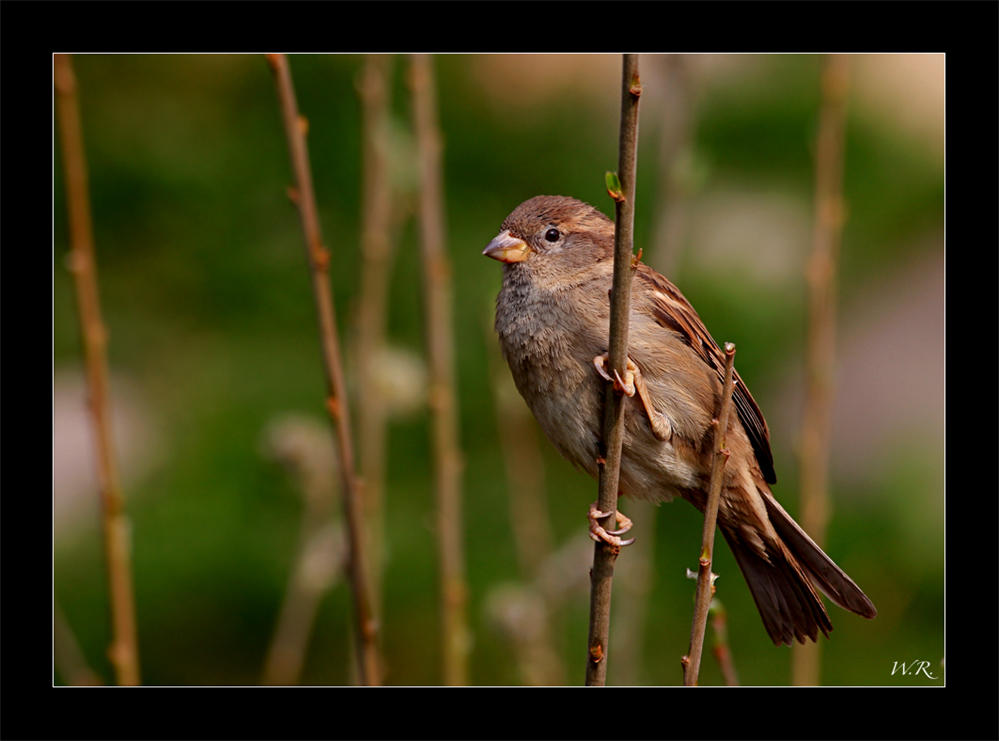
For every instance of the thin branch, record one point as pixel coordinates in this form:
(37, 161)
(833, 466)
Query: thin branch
(374, 88)
(124, 651)
(443, 399)
(671, 74)
(821, 347)
(705, 579)
(368, 660)
(604, 555)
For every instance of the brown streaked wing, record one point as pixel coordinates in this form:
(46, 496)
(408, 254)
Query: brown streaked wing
(671, 310)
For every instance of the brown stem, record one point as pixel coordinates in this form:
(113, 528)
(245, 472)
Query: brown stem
(443, 399)
(368, 660)
(124, 651)
(604, 555)
(374, 88)
(705, 579)
(821, 346)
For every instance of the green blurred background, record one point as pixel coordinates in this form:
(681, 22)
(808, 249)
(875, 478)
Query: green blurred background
(213, 342)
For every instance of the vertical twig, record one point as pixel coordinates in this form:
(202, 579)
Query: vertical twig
(705, 579)
(604, 555)
(303, 196)
(124, 652)
(374, 88)
(671, 73)
(443, 400)
(821, 346)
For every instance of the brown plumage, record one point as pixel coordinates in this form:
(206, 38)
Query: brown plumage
(552, 317)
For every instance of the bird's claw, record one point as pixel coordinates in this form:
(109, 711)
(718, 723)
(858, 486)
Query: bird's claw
(610, 537)
(632, 384)
(624, 385)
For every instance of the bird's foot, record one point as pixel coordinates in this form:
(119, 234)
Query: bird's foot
(631, 384)
(610, 537)
(624, 385)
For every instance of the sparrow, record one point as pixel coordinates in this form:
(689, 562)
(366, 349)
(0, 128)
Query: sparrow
(553, 318)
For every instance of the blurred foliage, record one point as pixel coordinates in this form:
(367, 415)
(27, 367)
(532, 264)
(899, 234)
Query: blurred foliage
(206, 295)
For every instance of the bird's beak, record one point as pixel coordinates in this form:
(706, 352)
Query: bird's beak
(507, 248)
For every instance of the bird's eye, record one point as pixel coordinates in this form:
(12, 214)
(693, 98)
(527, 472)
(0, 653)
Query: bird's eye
(552, 235)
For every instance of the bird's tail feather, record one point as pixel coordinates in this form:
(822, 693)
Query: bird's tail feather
(788, 604)
(783, 583)
(823, 572)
